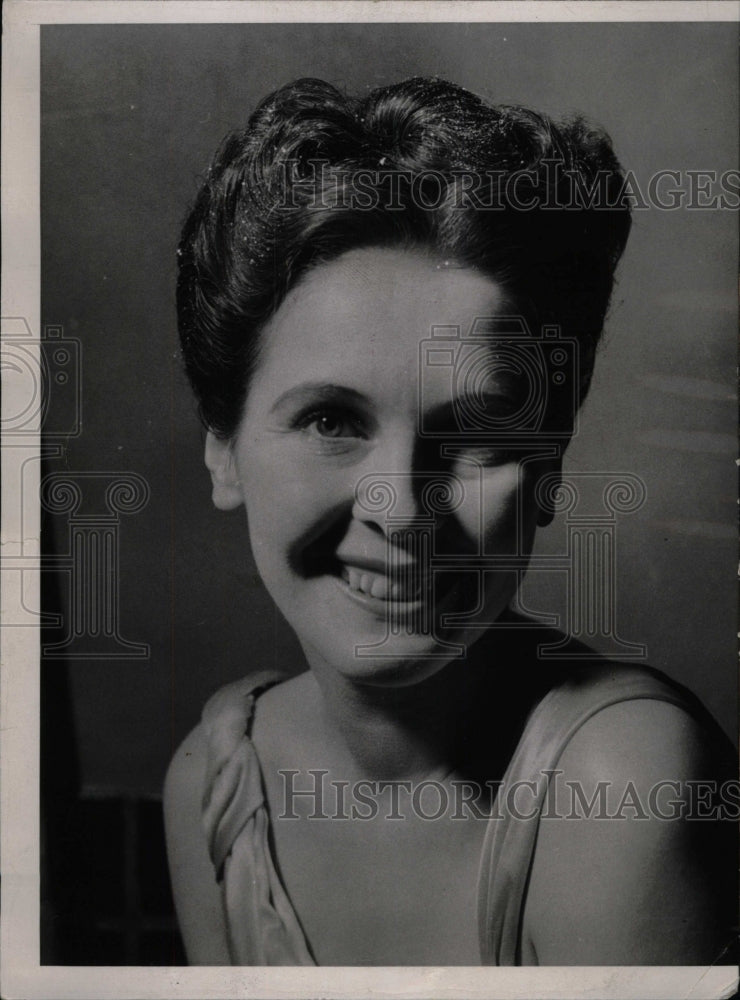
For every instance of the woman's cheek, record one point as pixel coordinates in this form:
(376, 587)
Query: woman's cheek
(276, 478)
(470, 515)
(489, 512)
(292, 509)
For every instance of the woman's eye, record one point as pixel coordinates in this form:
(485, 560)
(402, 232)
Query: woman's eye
(330, 425)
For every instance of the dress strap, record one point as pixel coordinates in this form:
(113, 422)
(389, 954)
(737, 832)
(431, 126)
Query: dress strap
(262, 926)
(509, 845)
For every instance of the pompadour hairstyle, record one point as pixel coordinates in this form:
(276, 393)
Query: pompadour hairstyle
(538, 206)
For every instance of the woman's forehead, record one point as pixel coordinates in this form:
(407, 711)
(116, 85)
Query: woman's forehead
(374, 289)
(363, 321)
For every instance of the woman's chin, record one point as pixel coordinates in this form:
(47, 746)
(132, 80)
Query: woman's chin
(398, 665)
(378, 642)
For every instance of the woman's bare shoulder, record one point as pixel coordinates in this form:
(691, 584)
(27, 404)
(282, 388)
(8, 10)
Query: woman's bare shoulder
(623, 853)
(196, 893)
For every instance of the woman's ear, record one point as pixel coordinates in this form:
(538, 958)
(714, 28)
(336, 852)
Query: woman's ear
(219, 457)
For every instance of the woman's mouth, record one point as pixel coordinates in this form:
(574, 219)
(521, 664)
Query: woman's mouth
(405, 587)
(408, 596)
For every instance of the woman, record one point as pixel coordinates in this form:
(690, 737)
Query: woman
(365, 294)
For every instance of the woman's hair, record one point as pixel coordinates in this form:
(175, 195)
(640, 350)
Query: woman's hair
(423, 164)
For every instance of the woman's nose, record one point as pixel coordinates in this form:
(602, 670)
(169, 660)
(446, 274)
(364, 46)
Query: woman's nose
(386, 492)
(395, 492)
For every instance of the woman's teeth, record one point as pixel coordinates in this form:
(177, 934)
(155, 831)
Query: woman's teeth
(379, 586)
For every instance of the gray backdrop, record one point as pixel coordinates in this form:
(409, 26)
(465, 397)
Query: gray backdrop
(131, 116)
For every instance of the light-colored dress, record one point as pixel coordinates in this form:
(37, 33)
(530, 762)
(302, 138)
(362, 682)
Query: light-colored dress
(263, 927)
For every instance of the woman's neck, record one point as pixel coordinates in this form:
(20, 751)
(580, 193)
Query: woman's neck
(409, 732)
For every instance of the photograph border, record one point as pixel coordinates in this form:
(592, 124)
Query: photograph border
(22, 974)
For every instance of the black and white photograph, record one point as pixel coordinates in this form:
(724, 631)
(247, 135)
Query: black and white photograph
(369, 499)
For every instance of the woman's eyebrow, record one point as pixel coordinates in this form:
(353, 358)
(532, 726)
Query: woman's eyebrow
(319, 392)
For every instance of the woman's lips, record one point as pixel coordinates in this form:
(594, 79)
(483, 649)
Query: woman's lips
(413, 605)
(406, 587)
(384, 608)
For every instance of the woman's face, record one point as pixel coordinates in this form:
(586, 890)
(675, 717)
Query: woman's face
(350, 438)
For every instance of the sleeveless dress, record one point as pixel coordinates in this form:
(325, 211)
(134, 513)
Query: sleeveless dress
(263, 927)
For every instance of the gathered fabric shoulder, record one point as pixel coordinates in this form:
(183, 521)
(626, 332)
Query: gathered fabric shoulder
(262, 926)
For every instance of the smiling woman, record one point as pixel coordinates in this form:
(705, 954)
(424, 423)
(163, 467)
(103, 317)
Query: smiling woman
(333, 402)
(389, 310)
